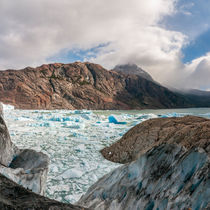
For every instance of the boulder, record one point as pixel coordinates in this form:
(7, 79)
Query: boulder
(26, 167)
(166, 177)
(14, 196)
(189, 131)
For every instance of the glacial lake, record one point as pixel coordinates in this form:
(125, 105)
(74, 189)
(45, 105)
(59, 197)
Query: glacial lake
(73, 139)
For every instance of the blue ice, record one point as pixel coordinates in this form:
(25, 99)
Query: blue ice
(112, 119)
(56, 119)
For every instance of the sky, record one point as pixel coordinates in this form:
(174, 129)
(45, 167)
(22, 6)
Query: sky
(170, 39)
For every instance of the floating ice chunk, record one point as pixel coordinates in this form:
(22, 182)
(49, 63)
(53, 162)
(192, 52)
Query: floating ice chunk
(40, 117)
(54, 168)
(77, 120)
(80, 148)
(143, 116)
(163, 116)
(55, 119)
(82, 112)
(64, 119)
(45, 124)
(77, 112)
(71, 173)
(7, 107)
(112, 119)
(73, 198)
(73, 126)
(74, 134)
(64, 124)
(85, 116)
(174, 114)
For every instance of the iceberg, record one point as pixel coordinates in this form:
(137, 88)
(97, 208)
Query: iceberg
(56, 119)
(71, 173)
(112, 119)
(7, 107)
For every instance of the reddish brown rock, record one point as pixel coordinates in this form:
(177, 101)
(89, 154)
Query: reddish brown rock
(189, 131)
(83, 86)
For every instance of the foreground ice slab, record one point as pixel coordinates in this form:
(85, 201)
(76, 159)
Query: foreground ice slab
(26, 167)
(166, 177)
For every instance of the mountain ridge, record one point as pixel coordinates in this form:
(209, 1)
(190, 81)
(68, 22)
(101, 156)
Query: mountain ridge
(83, 86)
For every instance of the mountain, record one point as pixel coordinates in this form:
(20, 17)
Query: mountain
(198, 92)
(133, 69)
(199, 98)
(83, 86)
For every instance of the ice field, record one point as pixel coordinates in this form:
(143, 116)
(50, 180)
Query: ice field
(72, 140)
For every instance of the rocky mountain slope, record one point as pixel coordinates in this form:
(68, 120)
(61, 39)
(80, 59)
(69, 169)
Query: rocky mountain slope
(199, 98)
(83, 86)
(189, 131)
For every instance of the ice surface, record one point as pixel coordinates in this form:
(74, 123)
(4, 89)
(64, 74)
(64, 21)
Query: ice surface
(73, 139)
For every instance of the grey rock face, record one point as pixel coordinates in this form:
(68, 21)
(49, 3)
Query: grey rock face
(7, 148)
(166, 177)
(26, 167)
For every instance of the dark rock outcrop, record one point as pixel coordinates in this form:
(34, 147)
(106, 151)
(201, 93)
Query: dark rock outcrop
(26, 167)
(83, 86)
(15, 197)
(189, 131)
(166, 177)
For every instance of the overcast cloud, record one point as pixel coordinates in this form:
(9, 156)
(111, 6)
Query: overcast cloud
(33, 31)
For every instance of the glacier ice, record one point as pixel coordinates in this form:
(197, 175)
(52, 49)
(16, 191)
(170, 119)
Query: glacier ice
(73, 141)
(112, 119)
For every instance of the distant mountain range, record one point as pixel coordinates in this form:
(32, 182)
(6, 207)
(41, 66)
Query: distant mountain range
(90, 86)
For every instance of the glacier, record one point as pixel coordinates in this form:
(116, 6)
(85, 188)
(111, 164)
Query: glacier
(73, 138)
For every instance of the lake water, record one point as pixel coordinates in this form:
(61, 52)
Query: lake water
(73, 139)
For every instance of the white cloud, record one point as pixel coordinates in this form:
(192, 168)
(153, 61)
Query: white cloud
(197, 73)
(33, 31)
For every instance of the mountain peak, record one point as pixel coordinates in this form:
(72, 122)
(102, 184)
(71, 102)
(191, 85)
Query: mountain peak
(131, 68)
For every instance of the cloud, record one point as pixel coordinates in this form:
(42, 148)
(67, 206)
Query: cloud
(197, 73)
(32, 31)
(106, 32)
